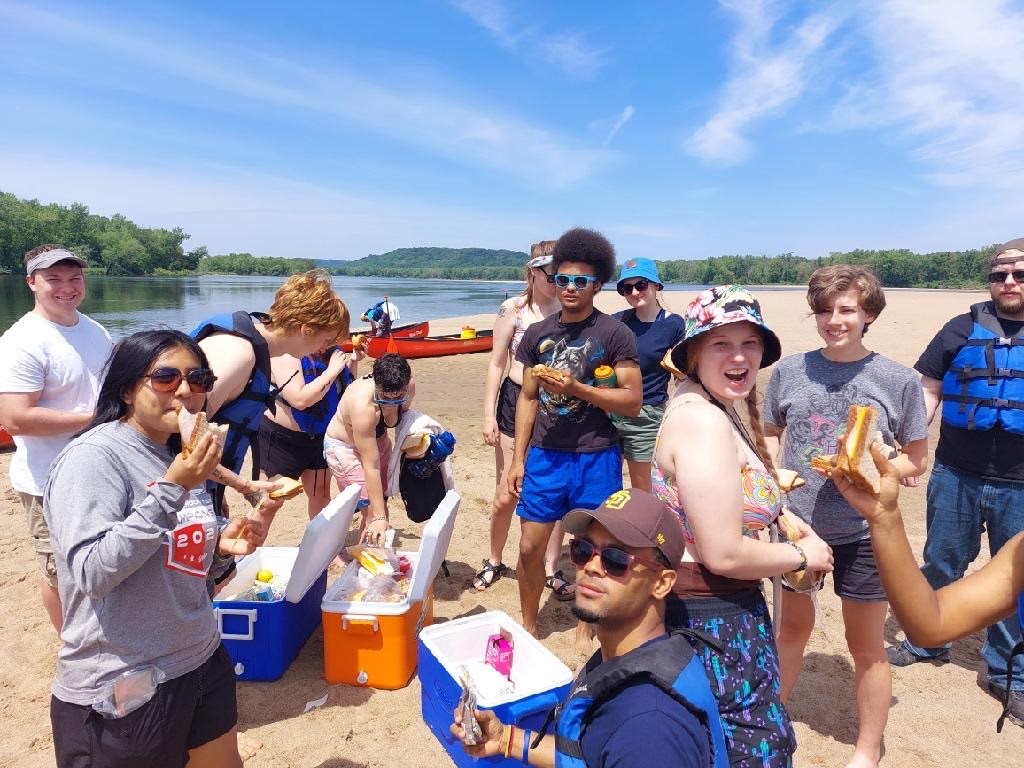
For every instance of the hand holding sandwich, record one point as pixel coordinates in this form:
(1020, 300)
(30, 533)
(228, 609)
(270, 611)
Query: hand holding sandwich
(875, 507)
(192, 470)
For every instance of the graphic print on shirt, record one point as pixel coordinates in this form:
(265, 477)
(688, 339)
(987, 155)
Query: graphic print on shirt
(189, 547)
(820, 431)
(579, 360)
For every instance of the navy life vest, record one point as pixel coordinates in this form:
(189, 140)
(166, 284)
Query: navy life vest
(984, 385)
(1017, 649)
(670, 664)
(243, 414)
(315, 419)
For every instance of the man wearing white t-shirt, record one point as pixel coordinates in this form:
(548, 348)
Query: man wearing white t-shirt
(53, 362)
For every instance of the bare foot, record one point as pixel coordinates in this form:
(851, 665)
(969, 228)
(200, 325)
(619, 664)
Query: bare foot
(860, 760)
(248, 746)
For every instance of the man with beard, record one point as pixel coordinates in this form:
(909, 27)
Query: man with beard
(974, 368)
(643, 698)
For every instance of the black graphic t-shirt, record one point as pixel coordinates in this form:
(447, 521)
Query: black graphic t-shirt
(568, 423)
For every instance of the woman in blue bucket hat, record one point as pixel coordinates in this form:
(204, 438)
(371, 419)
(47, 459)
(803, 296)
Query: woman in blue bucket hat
(657, 330)
(716, 473)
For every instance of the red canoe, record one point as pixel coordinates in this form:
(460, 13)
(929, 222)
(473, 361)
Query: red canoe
(431, 346)
(410, 331)
(6, 440)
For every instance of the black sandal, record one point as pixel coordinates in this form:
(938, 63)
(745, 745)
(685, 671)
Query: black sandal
(564, 591)
(490, 573)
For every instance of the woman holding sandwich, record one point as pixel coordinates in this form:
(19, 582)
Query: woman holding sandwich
(722, 487)
(142, 677)
(808, 400)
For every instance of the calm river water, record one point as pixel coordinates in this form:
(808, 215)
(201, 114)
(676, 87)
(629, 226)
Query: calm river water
(128, 304)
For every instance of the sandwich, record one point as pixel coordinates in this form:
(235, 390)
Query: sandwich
(193, 426)
(801, 579)
(548, 374)
(359, 342)
(287, 488)
(416, 445)
(789, 480)
(668, 365)
(855, 460)
(823, 462)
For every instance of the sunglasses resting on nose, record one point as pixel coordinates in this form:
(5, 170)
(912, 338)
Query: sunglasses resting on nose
(390, 400)
(579, 281)
(639, 286)
(1000, 277)
(169, 379)
(615, 561)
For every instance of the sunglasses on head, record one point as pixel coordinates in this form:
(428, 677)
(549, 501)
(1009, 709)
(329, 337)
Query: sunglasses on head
(579, 281)
(639, 286)
(1000, 277)
(614, 560)
(169, 379)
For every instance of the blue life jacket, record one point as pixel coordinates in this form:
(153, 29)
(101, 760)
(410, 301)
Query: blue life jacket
(984, 385)
(1017, 649)
(243, 414)
(315, 419)
(670, 664)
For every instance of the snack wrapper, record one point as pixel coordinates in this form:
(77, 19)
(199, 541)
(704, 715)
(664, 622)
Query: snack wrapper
(467, 709)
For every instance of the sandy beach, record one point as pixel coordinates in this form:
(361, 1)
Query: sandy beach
(940, 715)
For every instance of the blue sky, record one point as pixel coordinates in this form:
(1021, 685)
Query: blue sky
(681, 129)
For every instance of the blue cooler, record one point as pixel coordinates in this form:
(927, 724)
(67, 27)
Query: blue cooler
(263, 638)
(540, 680)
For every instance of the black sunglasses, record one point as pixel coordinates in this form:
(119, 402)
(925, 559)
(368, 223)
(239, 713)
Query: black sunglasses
(615, 561)
(1000, 277)
(639, 286)
(169, 379)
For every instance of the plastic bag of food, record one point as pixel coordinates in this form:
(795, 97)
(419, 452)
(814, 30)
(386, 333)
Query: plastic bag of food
(383, 589)
(377, 560)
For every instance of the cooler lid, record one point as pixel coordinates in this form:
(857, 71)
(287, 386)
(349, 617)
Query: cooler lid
(323, 539)
(437, 535)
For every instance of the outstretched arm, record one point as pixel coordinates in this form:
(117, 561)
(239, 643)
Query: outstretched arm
(931, 618)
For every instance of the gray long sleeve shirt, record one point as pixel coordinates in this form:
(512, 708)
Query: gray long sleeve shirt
(132, 551)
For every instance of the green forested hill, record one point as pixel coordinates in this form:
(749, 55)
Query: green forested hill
(443, 263)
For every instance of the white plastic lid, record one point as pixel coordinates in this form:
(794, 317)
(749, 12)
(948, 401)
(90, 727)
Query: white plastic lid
(323, 539)
(437, 535)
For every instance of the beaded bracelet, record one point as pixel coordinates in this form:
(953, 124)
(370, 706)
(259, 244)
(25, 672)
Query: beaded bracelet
(803, 555)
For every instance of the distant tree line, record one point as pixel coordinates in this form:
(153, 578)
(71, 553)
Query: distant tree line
(117, 246)
(114, 246)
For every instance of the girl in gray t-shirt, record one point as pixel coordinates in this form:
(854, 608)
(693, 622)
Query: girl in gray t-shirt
(807, 401)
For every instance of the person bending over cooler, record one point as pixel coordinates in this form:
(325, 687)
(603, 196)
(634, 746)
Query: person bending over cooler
(357, 446)
(643, 698)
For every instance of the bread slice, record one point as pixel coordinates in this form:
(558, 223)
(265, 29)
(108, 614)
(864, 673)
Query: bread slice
(855, 459)
(416, 445)
(289, 488)
(802, 580)
(789, 480)
(193, 426)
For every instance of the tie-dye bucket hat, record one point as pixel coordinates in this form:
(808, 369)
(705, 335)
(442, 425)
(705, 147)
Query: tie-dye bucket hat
(720, 306)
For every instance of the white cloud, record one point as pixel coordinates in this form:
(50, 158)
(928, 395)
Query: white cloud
(410, 112)
(767, 77)
(567, 50)
(950, 77)
(616, 126)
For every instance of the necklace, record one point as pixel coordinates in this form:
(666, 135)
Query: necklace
(733, 418)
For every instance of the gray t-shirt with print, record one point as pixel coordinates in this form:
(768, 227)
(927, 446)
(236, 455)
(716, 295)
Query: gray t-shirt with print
(808, 396)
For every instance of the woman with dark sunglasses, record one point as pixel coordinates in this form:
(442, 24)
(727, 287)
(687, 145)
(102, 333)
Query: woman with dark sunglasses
(501, 392)
(142, 678)
(657, 330)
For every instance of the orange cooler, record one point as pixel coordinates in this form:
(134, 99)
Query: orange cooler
(374, 644)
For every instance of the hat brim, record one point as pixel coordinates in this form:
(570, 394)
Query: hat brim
(771, 354)
(577, 521)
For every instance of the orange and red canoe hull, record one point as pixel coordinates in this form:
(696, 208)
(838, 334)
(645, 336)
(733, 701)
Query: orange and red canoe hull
(431, 346)
(410, 331)
(6, 441)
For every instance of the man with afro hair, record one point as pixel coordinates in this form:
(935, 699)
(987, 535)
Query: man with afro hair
(567, 452)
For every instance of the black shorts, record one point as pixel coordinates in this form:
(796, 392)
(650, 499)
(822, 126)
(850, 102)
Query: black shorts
(183, 714)
(856, 575)
(286, 452)
(508, 395)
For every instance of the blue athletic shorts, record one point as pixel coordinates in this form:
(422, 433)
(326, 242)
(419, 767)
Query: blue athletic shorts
(559, 481)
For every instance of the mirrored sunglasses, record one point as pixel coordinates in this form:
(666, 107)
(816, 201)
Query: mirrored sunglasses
(169, 379)
(579, 281)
